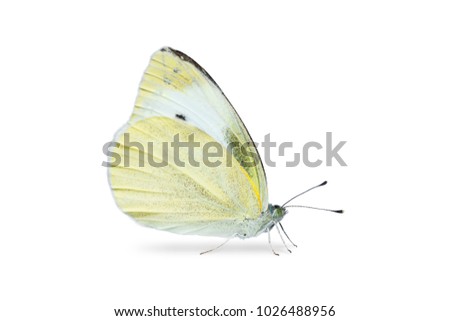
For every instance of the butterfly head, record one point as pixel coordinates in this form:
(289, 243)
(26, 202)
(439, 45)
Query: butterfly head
(277, 212)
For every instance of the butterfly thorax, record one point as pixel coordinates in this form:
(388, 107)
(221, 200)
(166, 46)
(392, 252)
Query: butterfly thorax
(264, 223)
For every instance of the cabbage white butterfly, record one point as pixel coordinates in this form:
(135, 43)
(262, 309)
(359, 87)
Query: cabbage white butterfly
(177, 190)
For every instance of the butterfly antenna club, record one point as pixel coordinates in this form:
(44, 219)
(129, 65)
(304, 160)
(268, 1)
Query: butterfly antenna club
(310, 189)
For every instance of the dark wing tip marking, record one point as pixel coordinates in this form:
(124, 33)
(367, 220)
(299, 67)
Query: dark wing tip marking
(185, 57)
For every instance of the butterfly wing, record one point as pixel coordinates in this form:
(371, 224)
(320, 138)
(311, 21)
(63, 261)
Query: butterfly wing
(177, 96)
(174, 84)
(174, 191)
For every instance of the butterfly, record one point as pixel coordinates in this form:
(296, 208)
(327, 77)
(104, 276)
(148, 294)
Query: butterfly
(182, 190)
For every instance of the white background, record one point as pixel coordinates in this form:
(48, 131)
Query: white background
(375, 74)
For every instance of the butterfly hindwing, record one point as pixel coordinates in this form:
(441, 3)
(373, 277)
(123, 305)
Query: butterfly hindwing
(171, 192)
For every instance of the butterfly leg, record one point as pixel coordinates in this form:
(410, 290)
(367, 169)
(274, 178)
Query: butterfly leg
(270, 243)
(282, 228)
(281, 237)
(222, 244)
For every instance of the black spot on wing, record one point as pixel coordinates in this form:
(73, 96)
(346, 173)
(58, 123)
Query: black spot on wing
(180, 116)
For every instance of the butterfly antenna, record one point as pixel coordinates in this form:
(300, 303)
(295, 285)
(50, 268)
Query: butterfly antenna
(318, 208)
(323, 184)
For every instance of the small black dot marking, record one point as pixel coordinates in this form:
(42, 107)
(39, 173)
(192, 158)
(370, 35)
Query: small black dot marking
(180, 116)
(176, 70)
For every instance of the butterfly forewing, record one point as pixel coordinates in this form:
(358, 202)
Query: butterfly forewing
(178, 98)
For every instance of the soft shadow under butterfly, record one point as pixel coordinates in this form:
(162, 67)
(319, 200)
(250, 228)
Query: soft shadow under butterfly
(181, 190)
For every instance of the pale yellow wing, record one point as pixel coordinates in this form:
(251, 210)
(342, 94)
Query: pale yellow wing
(191, 199)
(175, 86)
